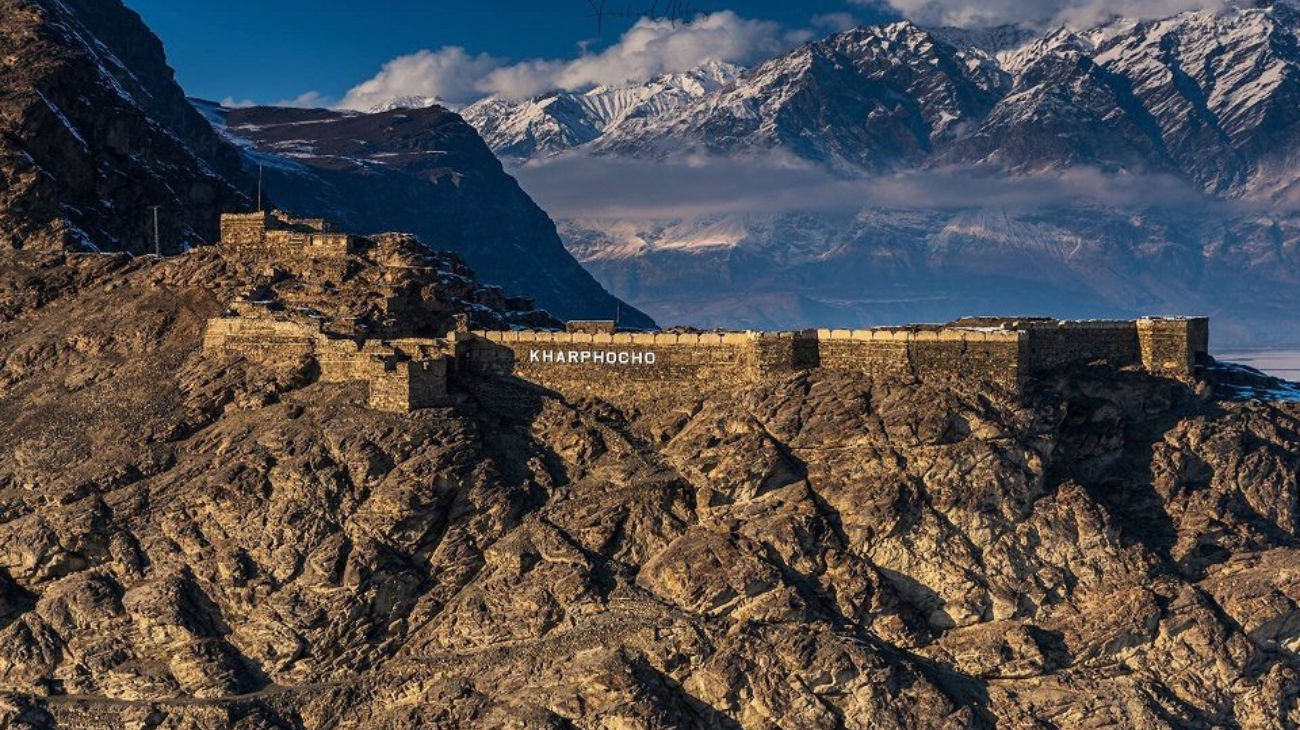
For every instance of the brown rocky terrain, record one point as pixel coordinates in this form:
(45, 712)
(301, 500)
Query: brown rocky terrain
(195, 542)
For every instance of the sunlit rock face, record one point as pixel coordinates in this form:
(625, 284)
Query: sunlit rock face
(229, 543)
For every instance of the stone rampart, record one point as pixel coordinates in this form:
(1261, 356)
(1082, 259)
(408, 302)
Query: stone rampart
(403, 375)
(621, 367)
(626, 367)
(243, 229)
(995, 356)
(656, 369)
(261, 338)
(1172, 346)
(636, 368)
(1054, 345)
(407, 385)
(745, 356)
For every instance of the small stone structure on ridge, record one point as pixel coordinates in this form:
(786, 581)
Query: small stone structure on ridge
(402, 374)
(592, 358)
(273, 234)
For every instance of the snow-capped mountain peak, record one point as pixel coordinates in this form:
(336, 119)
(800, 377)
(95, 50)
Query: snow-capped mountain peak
(1212, 97)
(1202, 107)
(409, 102)
(870, 98)
(561, 120)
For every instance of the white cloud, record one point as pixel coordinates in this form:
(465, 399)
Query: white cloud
(450, 73)
(1077, 13)
(581, 186)
(307, 100)
(650, 48)
(647, 49)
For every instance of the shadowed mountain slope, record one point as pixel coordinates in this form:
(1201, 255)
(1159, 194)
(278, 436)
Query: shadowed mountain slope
(94, 132)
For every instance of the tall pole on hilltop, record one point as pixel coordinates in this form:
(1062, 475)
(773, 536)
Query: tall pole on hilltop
(157, 240)
(260, 167)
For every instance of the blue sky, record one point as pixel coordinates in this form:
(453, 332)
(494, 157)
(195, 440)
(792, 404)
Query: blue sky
(273, 50)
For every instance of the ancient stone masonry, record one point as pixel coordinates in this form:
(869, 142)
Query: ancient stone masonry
(637, 369)
(1003, 351)
(277, 236)
(1172, 346)
(402, 375)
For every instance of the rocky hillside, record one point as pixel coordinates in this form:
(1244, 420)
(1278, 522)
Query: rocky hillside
(190, 542)
(94, 132)
(427, 172)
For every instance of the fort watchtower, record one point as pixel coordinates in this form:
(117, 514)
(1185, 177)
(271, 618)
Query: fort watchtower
(278, 235)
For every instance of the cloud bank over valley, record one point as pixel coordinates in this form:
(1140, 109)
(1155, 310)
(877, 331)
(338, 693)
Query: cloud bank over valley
(649, 48)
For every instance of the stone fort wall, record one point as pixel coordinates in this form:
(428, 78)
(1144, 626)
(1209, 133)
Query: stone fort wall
(402, 375)
(641, 369)
(628, 367)
(276, 236)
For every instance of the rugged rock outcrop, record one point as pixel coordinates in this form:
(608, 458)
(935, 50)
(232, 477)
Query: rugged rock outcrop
(195, 542)
(94, 132)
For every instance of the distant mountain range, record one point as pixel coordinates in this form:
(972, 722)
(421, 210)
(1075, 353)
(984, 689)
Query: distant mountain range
(1208, 103)
(561, 121)
(1214, 98)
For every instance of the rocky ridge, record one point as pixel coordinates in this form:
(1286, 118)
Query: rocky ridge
(94, 132)
(196, 542)
(96, 137)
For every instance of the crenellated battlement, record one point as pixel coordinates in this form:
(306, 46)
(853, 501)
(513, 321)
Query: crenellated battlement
(639, 368)
(1159, 344)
